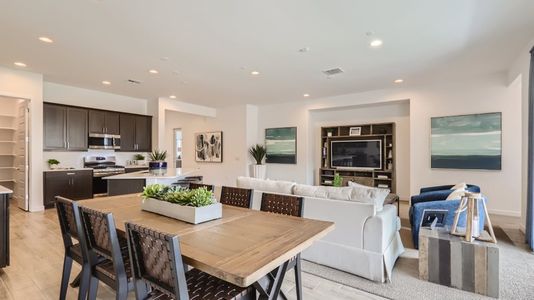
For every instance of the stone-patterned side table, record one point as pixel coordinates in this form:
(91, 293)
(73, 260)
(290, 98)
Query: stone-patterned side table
(449, 260)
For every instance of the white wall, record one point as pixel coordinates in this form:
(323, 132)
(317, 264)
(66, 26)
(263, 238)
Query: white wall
(232, 122)
(28, 85)
(484, 94)
(397, 112)
(69, 95)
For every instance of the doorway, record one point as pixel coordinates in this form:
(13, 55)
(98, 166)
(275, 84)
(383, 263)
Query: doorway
(14, 148)
(177, 137)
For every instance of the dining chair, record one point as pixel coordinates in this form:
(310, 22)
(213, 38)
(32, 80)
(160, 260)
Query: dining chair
(236, 197)
(71, 229)
(209, 187)
(157, 264)
(290, 206)
(102, 239)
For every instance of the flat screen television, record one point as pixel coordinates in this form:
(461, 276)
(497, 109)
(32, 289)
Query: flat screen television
(356, 154)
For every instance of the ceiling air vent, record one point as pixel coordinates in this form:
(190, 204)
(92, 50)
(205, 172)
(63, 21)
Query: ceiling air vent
(133, 81)
(332, 72)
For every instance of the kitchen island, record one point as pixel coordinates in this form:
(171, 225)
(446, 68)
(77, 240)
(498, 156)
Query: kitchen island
(134, 182)
(4, 226)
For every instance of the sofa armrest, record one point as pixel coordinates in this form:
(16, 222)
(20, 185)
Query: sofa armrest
(380, 229)
(435, 188)
(430, 196)
(349, 217)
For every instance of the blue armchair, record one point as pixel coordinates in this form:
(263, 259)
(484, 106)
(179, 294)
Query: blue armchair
(433, 198)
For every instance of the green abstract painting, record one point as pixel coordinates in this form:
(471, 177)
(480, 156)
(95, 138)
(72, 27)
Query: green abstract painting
(467, 142)
(281, 144)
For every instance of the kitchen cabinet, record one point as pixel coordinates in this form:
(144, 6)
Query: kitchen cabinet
(65, 128)
(4, 228)
(106, 122)
(136, 133)
(55, 118)
(71, 184)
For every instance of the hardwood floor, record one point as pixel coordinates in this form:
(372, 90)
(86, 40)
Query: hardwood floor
(37, 260)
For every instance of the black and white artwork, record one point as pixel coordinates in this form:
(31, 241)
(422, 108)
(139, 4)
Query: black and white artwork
(209, 147)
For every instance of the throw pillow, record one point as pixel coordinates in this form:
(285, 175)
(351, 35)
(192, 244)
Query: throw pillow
(310, 191)
(456, 194)
(366, 194)
(275, 186)
(461, 185)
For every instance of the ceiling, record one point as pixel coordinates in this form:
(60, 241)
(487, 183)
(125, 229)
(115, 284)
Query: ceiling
(205, 50)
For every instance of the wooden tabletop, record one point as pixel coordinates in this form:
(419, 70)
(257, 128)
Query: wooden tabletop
(241, 247)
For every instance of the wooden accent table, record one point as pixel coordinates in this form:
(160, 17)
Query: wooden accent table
(449, 260)
(242, 247)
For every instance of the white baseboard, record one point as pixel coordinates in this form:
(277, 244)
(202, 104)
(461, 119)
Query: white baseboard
(508, 213)
(37, 209)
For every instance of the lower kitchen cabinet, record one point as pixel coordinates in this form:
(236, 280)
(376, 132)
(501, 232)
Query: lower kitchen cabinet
(4, 230)
(71, 184)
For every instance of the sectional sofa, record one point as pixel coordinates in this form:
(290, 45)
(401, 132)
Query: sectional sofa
(366, 241)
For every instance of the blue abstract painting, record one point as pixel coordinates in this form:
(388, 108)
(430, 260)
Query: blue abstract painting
(467, 142)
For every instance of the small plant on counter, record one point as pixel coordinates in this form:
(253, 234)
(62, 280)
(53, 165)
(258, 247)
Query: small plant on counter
(258, 152)
(139, 157)
(338, 181)
(195, 198)
(53, 163)
(157, 155)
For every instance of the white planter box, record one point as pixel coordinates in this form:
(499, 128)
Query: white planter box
(189, 214)
(258, 171)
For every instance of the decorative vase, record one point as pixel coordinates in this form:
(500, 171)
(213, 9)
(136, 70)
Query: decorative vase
(258, 171)
(53, 166)
(157, 167)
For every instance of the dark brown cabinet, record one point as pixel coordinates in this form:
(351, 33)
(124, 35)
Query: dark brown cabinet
(65, 128)
(103, 122)
(55, 118)
(136, 133)
(72, 184)
(4, 230)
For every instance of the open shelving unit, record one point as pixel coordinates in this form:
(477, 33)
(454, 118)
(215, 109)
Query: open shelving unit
(7, 147)
(385, 177)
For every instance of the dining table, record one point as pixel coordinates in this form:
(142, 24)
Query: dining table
(244, 247)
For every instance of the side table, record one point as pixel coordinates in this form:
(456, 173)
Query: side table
(449, 260)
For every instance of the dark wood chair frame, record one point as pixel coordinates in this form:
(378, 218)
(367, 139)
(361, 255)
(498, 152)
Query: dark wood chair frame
(121, 283)
(68, 234)
(295, 262)
(179, 290)
(194, 185)
(245, 203)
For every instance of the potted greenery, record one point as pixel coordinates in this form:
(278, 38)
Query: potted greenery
(338, 181)
(192, 206)
(139, 159)
(258, 170)
(53, 163)
(157, 161)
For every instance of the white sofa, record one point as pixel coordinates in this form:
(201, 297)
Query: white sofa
(366, 241)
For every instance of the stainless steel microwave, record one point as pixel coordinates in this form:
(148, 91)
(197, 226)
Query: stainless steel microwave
(104, 141)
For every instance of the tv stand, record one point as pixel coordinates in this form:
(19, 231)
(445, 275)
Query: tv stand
(384, 177)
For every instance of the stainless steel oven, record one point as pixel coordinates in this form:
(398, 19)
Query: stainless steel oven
(104, 141)
(102, 166)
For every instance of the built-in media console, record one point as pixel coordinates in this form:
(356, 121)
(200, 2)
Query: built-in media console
(359, 153)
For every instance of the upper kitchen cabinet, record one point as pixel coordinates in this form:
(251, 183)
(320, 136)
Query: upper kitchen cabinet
(136, 133)
(106, 122)
(55, 119)
(65, 128)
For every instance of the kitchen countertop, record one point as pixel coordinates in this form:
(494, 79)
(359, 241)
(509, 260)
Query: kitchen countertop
(170, 174)
(136, 166)
(67, 169)
(4, 190)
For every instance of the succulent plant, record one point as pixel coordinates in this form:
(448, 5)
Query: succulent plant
(157, 155)
(196, 198)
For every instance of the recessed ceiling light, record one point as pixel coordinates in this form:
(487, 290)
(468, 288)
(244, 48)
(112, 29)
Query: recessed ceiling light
(46, 39)
(306, 95)
(376, 43)
(152, 71)
(254, 73)
(105, 82)
(19, 64)
(399, 80)
(304, 50)
(172, 97)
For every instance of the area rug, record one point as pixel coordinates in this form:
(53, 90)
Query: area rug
(516, 276)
